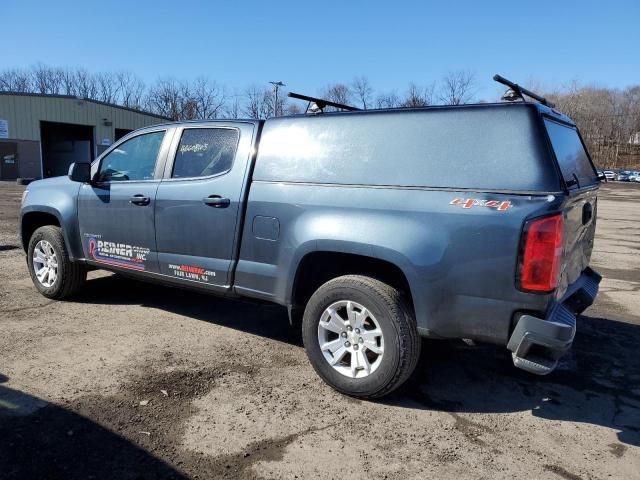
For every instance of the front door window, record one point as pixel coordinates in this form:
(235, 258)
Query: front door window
(133, 160)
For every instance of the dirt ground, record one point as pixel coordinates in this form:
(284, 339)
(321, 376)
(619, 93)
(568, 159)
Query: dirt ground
(131, 380)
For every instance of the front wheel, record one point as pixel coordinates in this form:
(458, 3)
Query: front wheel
(53, 274)
(360, 336)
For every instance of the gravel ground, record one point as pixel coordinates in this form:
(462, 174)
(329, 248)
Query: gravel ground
(130, 380)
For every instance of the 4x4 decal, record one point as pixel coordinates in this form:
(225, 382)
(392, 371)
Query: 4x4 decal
(501, 206)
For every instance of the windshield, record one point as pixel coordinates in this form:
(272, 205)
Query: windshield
(571, 154)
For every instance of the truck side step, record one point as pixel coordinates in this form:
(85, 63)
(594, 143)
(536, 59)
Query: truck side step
(535, 364)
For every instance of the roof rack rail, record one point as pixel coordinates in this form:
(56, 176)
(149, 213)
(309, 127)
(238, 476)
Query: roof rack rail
(516, 91)
(317, 105)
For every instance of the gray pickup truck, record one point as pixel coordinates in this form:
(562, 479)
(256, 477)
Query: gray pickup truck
(373, 228)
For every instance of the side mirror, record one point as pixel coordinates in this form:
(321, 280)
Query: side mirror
(80, 172)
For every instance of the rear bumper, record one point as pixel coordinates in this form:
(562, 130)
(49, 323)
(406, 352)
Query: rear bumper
(537, 343)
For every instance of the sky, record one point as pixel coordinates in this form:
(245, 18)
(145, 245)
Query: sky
(309, 45)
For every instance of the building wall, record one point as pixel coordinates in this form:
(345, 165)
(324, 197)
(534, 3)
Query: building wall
(28, 158)
(24, 113)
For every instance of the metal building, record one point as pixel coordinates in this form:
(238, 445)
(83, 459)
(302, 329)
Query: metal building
(41, 135)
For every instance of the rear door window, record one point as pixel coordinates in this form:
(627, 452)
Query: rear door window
(204, 152)
(571, 154)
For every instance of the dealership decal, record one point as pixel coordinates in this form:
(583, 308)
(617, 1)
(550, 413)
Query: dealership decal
(195, 148)
(117, 254)
(191, 272)
(501, 206)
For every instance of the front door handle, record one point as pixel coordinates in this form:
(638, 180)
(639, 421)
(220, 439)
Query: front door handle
(217, 201)
(139, 200)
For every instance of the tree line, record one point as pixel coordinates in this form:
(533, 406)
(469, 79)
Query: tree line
(609, 119)
(204, 98)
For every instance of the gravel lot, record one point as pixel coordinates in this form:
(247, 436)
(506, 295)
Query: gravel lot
(131, 380)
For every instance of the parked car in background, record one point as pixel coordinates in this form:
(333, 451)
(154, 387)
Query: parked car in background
(610, 175)
(623, 176)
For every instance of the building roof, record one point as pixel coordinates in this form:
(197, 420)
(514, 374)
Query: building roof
(73, 97)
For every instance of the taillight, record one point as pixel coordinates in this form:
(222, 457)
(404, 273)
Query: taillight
(542, 254)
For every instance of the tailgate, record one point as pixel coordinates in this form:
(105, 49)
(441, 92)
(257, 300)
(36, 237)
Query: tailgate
(579, 232)
(581, 179)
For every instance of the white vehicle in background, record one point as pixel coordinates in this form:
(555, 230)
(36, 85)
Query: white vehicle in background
(609, 175)
(623, 176)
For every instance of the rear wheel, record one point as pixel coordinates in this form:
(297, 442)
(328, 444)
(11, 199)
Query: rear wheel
(53, 274)
(360, 336)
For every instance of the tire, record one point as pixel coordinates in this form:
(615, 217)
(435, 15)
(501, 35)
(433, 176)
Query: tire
(69, 276)
(388, 310)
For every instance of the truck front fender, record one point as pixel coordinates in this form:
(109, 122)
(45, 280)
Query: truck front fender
(48, 199)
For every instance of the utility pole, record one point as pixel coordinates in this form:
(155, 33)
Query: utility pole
(276, 86)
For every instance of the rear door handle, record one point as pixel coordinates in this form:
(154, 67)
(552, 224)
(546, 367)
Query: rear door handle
(217, 201)
(139, 200)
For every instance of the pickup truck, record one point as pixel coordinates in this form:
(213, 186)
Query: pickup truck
(373, 228)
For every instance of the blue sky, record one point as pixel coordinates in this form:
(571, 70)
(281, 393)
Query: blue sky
(311, 44)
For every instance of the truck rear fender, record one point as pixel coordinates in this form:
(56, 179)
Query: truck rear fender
(388, 248)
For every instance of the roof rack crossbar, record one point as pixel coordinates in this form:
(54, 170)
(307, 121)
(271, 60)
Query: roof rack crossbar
(520, 91)
(322, 103)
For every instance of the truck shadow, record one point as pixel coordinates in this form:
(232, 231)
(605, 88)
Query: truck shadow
(41, 440)
(259, 318)
(598, 382)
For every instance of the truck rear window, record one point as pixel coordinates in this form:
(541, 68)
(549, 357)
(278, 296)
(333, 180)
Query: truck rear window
(571, 154)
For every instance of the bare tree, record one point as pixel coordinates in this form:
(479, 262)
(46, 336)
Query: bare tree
(457, 87)
(45, 79)
(107, 87)
(85, 84)
(418, 96)
(209, 98)
(131, 89)
(607, 119)
(68, 83)
(339, 93)
(388, 100)
(255, 102)
(233, 108)
(165, 98)
(363, 91)
(268, 103)
(15, 80)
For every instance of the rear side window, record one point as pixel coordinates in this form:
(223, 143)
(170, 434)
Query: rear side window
(132, 160)
(571, 154)
(203, 152)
